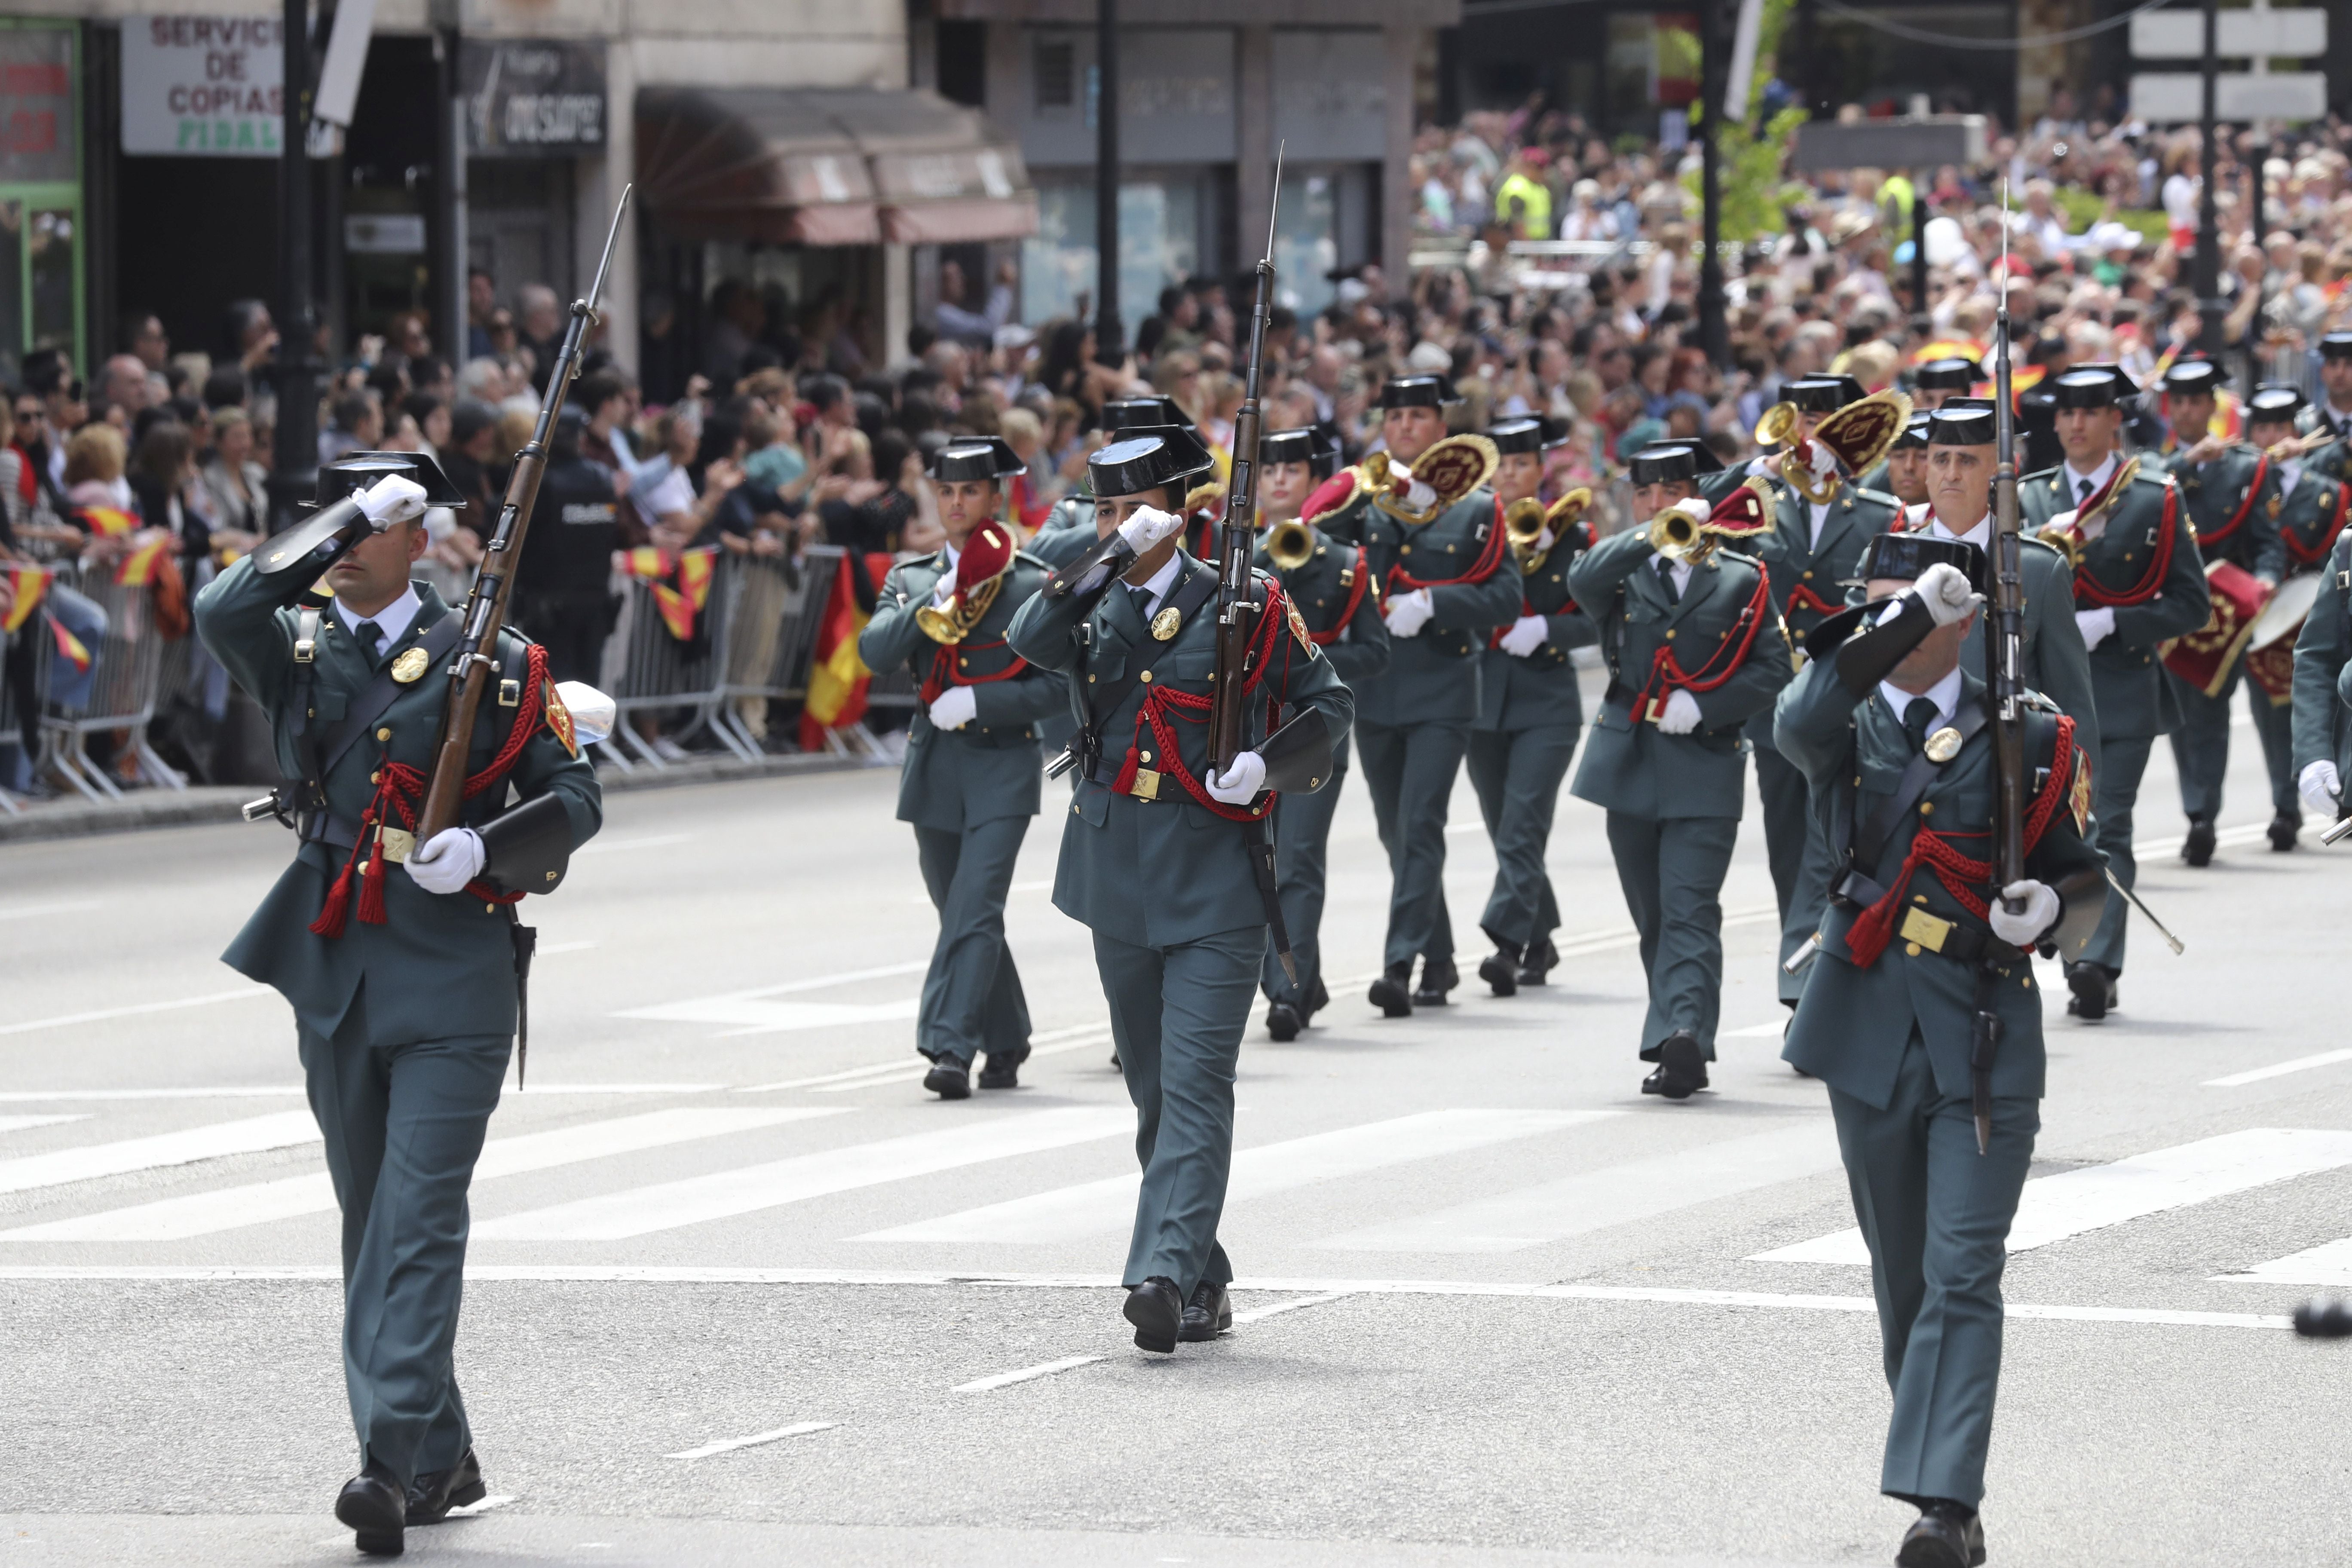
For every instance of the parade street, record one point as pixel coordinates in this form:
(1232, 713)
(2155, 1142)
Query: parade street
(740, 1291)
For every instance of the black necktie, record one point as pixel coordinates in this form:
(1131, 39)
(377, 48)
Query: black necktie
(1143, 601)
(1667, 580)
(371, 637)
(1919, 718)
(2084, 498)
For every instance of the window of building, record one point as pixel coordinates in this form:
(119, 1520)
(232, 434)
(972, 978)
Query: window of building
(1056, 75)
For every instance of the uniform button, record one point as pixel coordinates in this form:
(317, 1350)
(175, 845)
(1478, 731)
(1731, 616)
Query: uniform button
(1911, 950)
(490, 909)
(383, 734)
(1404, 549)
(1808, 577)
(1144, 756)
(1670, 632)
(1918, 898)
(1145, 678)
(375, 778)
(1090, 681)
(1926, 808)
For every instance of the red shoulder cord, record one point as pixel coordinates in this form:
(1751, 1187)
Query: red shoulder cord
(1403, 582)
(2245, 506)
(1666, 672)
(1163, 704)
(1800, 595)
(1362, 578)
(2319, 552)
(1583, 536)
(2088, 590)
(1961, 875)
(400, 790)
(947, 668)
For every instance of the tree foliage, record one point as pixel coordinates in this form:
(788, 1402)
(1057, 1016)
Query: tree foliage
(1752, 153)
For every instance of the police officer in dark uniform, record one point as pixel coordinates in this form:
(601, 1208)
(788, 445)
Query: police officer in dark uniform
(402, 959)
(562, 589)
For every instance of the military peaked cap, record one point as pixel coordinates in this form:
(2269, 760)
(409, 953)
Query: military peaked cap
(2092, 386)
(2274, 403)
(1963, 422)
(1956, 373)
(1906, 555)
(1527, 435)
(1298, 446)
(2335, 345)
(1822, 394)
(1147, 460)
(1418, 391)
(1915, 432)
(976, 457)
(2193, 375)
(355, 471)
(1673, 462)
(1143, 413)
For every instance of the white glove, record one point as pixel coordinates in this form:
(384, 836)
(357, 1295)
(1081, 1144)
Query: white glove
(2097, 625)
(396, 497)
(955, 707)
(1680, 716)
(1527, 635)
(1408, 613)
(1944, 589)
(2320, 786)
(1147, 527)
(2041, 912)
(1420, 495)
(1238, 783)
(445, 862)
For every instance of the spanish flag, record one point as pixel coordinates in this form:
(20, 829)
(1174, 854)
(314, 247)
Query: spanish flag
(111, 521)
(69, 647)
(683, 599)
(650, 563)
(839, 678)
(31, 586)
(137, 569)
(1949, 348)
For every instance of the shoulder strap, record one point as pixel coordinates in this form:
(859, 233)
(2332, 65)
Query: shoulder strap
(1188, 596)
(437, 644)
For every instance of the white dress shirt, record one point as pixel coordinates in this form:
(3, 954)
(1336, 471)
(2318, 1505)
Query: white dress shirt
(392, 620)
(1159, 584)
(1980, 535)
(2097, 478)
(1945, 694)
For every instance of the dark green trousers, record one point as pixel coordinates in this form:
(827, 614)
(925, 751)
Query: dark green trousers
(1671, 872)
(1177, 1015)
(1302, 845)
(972, 1000)
(2122, 764)
(2274, 722)
(1410, 769)
(403, 1125)
(1517, 774)
(1798, 857)
(1936, 1214)
(2201, 747)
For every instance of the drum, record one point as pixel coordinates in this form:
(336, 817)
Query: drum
(2205, 656)
(2270, 647)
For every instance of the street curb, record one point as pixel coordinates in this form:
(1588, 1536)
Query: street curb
(206, 804)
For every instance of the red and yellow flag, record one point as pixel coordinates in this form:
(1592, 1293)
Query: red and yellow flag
(137, 569)
(682, 598)
(110, 521)
(31, 586)
(650, 563)
(694, 569)
(69, 647)
(1949, 348)
(838, 682)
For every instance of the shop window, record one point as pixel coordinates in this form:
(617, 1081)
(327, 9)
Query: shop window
(1159, 242)
(1056, 75)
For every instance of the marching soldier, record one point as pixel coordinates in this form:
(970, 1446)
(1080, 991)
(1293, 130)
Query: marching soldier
(2138, 584)
(1432, 534)
(404, 983)
(2333, 412)
(1694, 650)
(1804, 402)
(1158, 856)
(2231, 492)
(2311, 513)
(1933, 383)
(1889, 722)
(1068, 531)
(1331, 586)
(970, 783)
(1530, 712)
(2323, 718)
(1905, 467)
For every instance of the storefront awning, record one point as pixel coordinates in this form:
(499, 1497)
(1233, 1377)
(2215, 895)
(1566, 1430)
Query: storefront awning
(828, 166)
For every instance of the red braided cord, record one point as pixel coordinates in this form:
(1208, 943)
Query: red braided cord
(2245, 506)
(1480, 570)
(1363, 578)
(1154, 713)
(944, 672)
(2088, 589)
(1666, 671)
(2319, 552)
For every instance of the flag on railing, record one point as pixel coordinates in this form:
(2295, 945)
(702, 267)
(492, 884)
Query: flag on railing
(138, 569)
(69, 647)
(838, 678)
(681, 584)
(30, 585)
(109, 521)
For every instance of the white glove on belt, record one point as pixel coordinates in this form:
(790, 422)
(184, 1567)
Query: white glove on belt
(1944, 589)
(1237, 784)
(445, 862)
(396, 497)
(2040, 914)
(1527, 635)
(2097, 625)
(1680, 716)
(1408, 613)
(1147, 527)
(955, 707)
(2320, 786)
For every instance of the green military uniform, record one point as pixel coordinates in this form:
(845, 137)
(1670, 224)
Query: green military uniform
(2310, 505)
(2143, 567)
(404, 1023)
(2323, 699)
(970, 792)
(1674, 801)
(1342, 607)
(1886, 1024)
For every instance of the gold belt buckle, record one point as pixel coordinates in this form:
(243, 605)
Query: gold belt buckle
(398, 843)
(1797, 658)
(1922, 930)
(1146, 785)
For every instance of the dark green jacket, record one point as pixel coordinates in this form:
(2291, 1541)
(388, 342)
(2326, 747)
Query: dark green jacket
(2127, 671)
(1358, 648)
(1160, 871)
(2332, 461)
(1629, 764)
(1432, 676)
(2323, 695)
(2230, 500)
(1540, 690)
(1068, 531)
(1804, 570)
(2310, 515)
(442, 965)
(988, 769)
(1854, 1023)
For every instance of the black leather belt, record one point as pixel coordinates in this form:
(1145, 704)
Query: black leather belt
(326, 827)
(1921, 933)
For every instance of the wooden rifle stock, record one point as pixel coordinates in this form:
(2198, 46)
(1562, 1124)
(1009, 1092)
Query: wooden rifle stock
(1237, 546)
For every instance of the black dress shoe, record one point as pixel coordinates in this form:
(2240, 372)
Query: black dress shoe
(2285, 828)
(1392, 992)
(949, 1078)
(1208, 1313)
(1681, 1067)
(1500, 970)
(1438, 976)
(1946, 1535)
(2094, 988)
(1281, 1021)
(1001, 1069)
(432, 1495)
(1157, 1313)
(1540, 960)
(2198, 847)
(1319, 998)
(376, 1511)
(2323, 1319)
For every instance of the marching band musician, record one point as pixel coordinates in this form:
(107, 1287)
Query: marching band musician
(2311, 513)
(1433, 535)
(1891, 725)
(2333, 412)
(1157, 852)
(2322, 715)
(1331, 586)
(2138, 584)
(2231, 493)
(1530, 712)
(1068, 531)
(1694, 651)
(970, 785)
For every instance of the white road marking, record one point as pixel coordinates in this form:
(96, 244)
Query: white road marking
(549, 950)
(2280, 1070)
(755, 1012)
(1092, 1206)
(2073, 1202)
(242, 993)
(619, 846)
(33, 911)
(44, 1096)
(495, 1499)
(26, 1123)
(541, 1273)
(1618, 1194)
(2327, 1264)
(280, 1130)
(723, 1194)
(1771, 1031)
(1026, 1375)
(288, 1197)
(1259, 1315)
(728, 1445)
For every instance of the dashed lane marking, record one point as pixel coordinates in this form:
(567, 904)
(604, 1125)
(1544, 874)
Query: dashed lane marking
(2280, 1070)
(728, 1445)
(1026, 1375)
(211, 998)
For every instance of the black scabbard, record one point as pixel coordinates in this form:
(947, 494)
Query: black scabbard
(526, 942)
(1261, 854)
(1984, 1046)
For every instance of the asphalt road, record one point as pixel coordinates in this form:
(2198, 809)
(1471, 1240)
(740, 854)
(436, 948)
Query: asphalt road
(1498, 1308)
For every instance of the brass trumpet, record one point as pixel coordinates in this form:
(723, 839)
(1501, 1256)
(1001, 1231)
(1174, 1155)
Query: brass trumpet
(1289, 545)
(1676, 534)
(953, 621)
(1779, 426)
(1524, 522)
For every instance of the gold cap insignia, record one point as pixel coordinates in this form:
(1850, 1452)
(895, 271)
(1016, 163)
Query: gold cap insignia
(1167, 623)
(410, 666)
(1942, 745)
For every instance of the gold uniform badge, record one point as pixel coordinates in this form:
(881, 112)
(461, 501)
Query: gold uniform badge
(409, 668)
(559, 719)
(1167, 623)
(1942, 745)
(1298, 629)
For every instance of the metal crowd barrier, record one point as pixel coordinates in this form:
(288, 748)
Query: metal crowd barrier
(777, 616)
(14, 651)
(126, 679)
(655, 671)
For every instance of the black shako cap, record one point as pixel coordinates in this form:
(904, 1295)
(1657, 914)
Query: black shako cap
(1147, 460)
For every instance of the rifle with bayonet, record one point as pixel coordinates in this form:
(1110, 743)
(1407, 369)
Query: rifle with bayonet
(485, 608)
(2005, 690)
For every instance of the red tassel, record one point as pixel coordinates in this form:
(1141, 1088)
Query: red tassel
(1126, 780)
(371, 895)
(330, 923)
